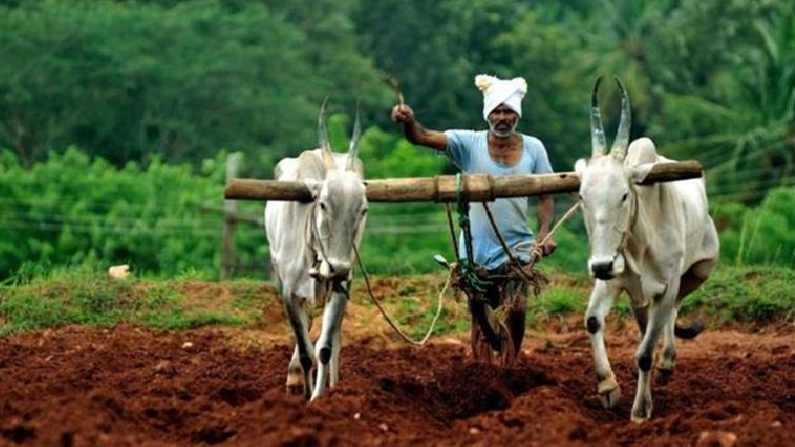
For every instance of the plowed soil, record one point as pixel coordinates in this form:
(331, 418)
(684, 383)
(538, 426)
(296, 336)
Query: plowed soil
(127, 386)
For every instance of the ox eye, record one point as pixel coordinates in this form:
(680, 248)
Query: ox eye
(323, 206)
(624, 197)
(364, 211)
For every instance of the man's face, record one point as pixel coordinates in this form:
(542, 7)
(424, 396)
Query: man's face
(503, 121)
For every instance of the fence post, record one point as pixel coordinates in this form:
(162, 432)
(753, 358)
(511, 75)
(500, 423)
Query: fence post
(228, 257)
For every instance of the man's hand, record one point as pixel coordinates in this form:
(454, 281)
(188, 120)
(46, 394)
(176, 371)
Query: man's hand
(549, 246)
(414, 131)
(402, 113)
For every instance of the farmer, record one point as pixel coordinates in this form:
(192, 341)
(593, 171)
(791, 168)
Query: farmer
(500, 150)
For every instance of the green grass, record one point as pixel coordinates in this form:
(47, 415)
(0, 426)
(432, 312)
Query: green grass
(84, 296)
(758, 295)
(414, 306)
(177, 319)
(558, 300)
(40, 297)
(745, 294)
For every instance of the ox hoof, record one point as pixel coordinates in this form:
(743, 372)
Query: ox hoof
(609, 392)
(664, 375)
(295, 384)
(641, 411)
(317, 393)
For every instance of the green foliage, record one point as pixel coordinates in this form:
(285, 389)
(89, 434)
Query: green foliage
(759, 236)
(176, 319)
(746, 294)
(38, 302)
(710, 80)
(128, 80)
(402, 238)
(73, 210)
(139, 85)
(40, 297)
(163, 219)
(434, 49)
(559, 300)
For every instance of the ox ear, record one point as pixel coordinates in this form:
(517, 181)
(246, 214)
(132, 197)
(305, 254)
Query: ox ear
(638, 173)
(580, 166)
(314, 187)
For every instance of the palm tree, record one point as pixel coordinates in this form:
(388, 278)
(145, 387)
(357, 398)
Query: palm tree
(747, 139)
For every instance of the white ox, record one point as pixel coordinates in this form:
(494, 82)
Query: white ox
(311, 249)
(657, 242)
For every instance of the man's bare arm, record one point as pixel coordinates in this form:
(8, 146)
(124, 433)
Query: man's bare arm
(415, 132)
(546, 208)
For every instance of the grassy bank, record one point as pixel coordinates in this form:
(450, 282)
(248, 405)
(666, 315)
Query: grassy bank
(89, 297)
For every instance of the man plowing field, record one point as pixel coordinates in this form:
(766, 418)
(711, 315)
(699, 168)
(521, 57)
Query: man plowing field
(496, 246)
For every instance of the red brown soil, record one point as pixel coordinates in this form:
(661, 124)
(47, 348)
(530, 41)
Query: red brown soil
(128, 386)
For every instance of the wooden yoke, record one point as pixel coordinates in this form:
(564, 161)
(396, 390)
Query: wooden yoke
(442, 188)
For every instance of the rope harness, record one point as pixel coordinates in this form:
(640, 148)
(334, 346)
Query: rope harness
(468, 268)
(391, 323)
(474, 277)
(491, 311)
(465, 274)
(317, 253)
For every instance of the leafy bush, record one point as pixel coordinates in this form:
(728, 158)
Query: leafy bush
(758, 236)
(163, 219)
(73, 210)
(746, 294)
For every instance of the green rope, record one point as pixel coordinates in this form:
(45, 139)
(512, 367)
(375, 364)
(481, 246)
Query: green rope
(468, 266)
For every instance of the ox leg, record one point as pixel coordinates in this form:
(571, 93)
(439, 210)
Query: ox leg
(599, 304)
(641, 314)
(640, 307)
(332, 321)
(299, 322)
(694, 277)
(296, 381)
(295, 374)
(661, 312)
(666, 366)
(336, 347)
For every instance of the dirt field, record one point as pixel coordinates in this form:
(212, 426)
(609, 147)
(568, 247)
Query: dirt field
(129, 386)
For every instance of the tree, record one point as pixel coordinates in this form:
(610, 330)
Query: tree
(128, 80)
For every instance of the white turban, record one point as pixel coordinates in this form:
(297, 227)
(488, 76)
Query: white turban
(501, 91)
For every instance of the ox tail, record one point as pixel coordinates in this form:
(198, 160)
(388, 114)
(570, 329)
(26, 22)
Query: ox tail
(690, 331)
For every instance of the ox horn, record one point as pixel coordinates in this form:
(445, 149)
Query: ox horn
(353, 149)
(322, 130)
(619, 149)
(598, 142)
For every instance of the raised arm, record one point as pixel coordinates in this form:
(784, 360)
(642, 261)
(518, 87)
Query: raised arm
(415, 132)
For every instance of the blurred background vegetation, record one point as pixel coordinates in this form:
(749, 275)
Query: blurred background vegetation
(116, 117)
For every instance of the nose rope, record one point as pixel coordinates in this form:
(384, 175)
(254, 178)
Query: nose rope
(389, 320)
(633, 216)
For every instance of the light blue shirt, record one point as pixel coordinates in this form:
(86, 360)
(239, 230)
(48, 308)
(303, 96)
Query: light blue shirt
(470, 151)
